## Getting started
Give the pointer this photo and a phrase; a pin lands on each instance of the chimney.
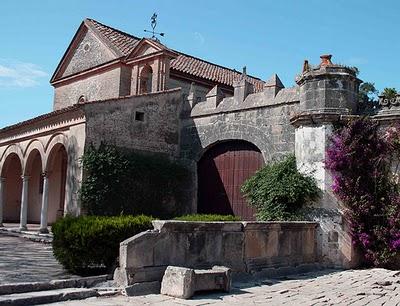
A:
(306, 66)
(326, 60)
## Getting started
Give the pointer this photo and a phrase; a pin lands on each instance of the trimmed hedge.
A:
(209, 218)
(89, 245)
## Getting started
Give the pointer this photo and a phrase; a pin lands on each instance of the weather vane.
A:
(153, 26)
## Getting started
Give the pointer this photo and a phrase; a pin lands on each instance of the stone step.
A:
(30, 235)
(48, 296)
(78, 282)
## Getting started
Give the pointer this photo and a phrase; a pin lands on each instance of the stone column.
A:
(24, 203)
(45, 204)
(2, 185)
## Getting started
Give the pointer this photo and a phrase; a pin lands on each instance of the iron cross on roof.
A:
(153, 26)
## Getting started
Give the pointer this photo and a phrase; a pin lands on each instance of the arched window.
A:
(82, 99)
(146, 77)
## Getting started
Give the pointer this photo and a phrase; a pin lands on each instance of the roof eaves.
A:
(40, 118)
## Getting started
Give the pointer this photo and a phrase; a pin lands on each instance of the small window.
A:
(139, 116)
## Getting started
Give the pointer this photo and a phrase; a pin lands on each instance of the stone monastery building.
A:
(138, 94)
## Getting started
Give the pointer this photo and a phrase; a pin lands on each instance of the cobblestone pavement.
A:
(22, 260)
(329, 287)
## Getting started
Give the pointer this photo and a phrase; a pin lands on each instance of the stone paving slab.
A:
(327, 287)
(22, 260)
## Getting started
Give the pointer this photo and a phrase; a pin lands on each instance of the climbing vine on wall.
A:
(120, 182)
(363, 159)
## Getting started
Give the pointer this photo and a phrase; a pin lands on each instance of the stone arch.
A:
(34, 169)
(11, 173)
(12, 149)
(34, 145)
(56, 171)
(230, 132)
(56, 139)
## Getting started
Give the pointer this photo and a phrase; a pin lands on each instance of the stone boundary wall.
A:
(145, 123)
(247, 247)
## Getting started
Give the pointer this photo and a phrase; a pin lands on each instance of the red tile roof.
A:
(185, 63)
(41, 118)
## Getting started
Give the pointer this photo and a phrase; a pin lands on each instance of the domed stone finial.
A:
(326, 60)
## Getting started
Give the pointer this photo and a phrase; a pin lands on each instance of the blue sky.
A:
(266, 36)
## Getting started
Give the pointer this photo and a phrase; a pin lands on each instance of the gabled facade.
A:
(104, 63)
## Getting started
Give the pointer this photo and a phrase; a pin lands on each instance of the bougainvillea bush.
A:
(364, 159)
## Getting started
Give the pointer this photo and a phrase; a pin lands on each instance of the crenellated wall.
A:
(261, 118)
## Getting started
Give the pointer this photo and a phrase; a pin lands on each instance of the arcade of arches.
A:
(32, 189)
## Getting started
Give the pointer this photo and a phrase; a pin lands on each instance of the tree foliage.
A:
(120, 182)
(389, 93)
(367, 91)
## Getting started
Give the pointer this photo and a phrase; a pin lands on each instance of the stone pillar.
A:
(24, 202)
(242, 88)
(2, 188)
(45, 204)
(328, 95)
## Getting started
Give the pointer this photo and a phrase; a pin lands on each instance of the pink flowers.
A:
(361, 158)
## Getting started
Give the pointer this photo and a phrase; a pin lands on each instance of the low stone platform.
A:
(244, 247)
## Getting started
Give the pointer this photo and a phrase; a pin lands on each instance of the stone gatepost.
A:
(328, 95)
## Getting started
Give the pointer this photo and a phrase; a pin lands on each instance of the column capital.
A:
(46, 174)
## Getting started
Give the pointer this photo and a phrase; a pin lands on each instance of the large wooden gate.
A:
(221, 172)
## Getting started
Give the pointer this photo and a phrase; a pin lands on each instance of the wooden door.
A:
(221, 172)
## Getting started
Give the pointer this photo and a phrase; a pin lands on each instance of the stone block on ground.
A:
(178, 282)
(184, 282)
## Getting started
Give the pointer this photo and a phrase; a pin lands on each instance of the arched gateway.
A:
(222, 170)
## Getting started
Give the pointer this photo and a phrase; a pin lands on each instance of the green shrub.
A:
(90, 244)
(278, 191)
(119, 182)
(205, 217)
